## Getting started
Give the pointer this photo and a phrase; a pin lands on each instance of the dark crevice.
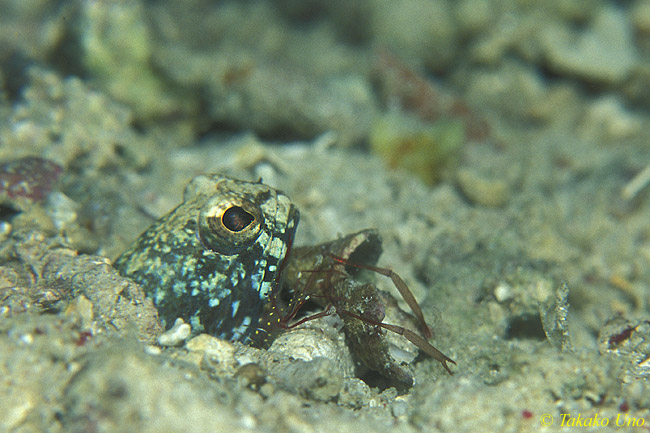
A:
(525, 326)
(7, 212)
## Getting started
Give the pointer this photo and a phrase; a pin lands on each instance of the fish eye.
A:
(236, 219)
(228, 225)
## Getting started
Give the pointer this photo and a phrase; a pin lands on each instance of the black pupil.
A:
(236, 219)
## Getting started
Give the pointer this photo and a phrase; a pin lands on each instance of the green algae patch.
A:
(424, 149)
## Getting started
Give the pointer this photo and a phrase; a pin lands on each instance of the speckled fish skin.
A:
(194, 267)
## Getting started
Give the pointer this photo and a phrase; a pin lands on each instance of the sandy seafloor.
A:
(132, 99)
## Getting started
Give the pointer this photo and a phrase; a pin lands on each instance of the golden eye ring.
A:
(229, 225)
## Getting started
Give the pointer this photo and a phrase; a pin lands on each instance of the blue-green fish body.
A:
(216, 259)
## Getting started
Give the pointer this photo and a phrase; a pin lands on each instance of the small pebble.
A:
(62, 209)
(176, 335)
(355, 393)
(252, 375)
(152, 350)
(484, 192)
(5, 230)
(503, 293)
(82, 309)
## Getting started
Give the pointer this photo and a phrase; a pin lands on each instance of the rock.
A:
(217, 357)
(319, 379)
(482, 191)
(608, 119)
(503, 293)
(604, 52)
(308, 344)
(29, 179)
(176, 335)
